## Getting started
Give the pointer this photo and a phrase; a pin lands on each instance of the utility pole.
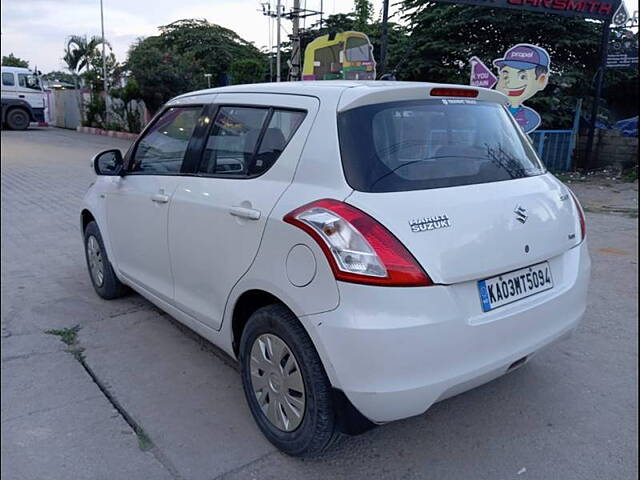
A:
(385, 36)
(278, 16)
(604, 44)
(104, 66)
(295, 14)
(294, 72)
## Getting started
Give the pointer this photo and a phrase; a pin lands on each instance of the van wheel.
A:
(103, 278)
(17, 119)
(285, 384)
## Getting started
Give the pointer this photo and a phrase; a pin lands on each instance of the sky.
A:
(36, 30)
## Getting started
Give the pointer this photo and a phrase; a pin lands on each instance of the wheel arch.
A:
(10, 105)
(348, 419)
(246, 304)
(85, 218)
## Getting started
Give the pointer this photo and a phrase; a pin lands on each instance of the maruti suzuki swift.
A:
(363, 249)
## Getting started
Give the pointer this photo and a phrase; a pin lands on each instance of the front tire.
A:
(285, 384)
(103, 278)
(17, 119)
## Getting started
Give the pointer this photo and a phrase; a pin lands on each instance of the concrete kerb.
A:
(108, 133)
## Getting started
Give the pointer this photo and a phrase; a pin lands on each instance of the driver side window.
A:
(162, 149)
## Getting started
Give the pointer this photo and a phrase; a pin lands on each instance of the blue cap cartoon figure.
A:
(522, 73)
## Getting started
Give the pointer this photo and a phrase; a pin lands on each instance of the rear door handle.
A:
(159, 198)
(20, 96)
(243, 212)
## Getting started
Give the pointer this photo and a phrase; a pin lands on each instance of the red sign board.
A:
(600, 9)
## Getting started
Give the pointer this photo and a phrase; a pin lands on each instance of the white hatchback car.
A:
(364, 249)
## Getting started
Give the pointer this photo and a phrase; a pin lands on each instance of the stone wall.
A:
(610, 148)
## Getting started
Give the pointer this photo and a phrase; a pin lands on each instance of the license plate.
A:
(513, 286)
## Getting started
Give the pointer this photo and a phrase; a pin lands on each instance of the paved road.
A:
(572, 413)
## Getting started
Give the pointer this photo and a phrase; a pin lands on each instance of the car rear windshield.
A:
(417, 145)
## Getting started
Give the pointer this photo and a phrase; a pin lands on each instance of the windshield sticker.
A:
(460, 101)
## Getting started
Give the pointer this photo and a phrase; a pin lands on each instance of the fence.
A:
(64, 108)
(555, 148)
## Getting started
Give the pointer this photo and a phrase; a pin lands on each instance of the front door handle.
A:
(159, 198)
(243, 212)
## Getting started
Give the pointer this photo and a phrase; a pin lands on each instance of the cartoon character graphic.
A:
(522, 73)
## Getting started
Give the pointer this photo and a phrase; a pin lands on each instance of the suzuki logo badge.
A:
(521, 214)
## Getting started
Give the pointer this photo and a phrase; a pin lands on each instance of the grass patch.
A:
(144, 442)
(630, 175)
(68, 335)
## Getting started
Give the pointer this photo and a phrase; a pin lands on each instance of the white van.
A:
(23, 100)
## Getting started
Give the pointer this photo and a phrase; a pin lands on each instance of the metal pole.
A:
(104, 66)
(278, 41)
(385, 36)
(295, 42)
(604, 43)
(270, 46)
(321, 12)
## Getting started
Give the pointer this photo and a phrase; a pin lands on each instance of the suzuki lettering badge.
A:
(429, 223)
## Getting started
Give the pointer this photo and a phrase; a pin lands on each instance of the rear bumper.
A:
(396, 351)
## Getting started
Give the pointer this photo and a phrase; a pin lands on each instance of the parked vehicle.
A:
(364, 249)
(23, 100)
(339, 56)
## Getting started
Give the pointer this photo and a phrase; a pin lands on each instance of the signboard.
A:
(623, 52)
(621, 17)
(522, 72)
(578, 8)
(481, 76)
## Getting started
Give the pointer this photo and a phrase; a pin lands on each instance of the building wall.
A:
(610, 149)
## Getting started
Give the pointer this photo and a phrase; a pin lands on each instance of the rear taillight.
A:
(358, 248)
(583, 225)
(453, 92)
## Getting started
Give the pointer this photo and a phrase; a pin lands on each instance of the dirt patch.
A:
(606, 191)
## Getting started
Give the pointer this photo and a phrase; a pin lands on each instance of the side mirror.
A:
(109, 162)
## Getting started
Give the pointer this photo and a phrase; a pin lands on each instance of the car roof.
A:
(360, 92)
(16, 69)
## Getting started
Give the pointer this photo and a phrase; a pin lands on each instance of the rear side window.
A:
(7, 79)
(418, 145)
(247, 141)
(161, 150)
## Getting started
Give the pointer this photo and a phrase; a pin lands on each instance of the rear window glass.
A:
(426, 144)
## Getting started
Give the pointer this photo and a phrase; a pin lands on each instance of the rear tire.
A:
(18, 119)
(314, 432)
(103, 278)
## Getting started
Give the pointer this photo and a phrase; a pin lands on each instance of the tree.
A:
(175, 61)
(59, 76)
(247, 70)
(80, 53)
(12, 61)
(362, 14)
(444, 37)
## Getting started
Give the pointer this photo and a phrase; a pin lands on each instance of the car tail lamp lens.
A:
(583, 224)
(454, 92)
(358, 248)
